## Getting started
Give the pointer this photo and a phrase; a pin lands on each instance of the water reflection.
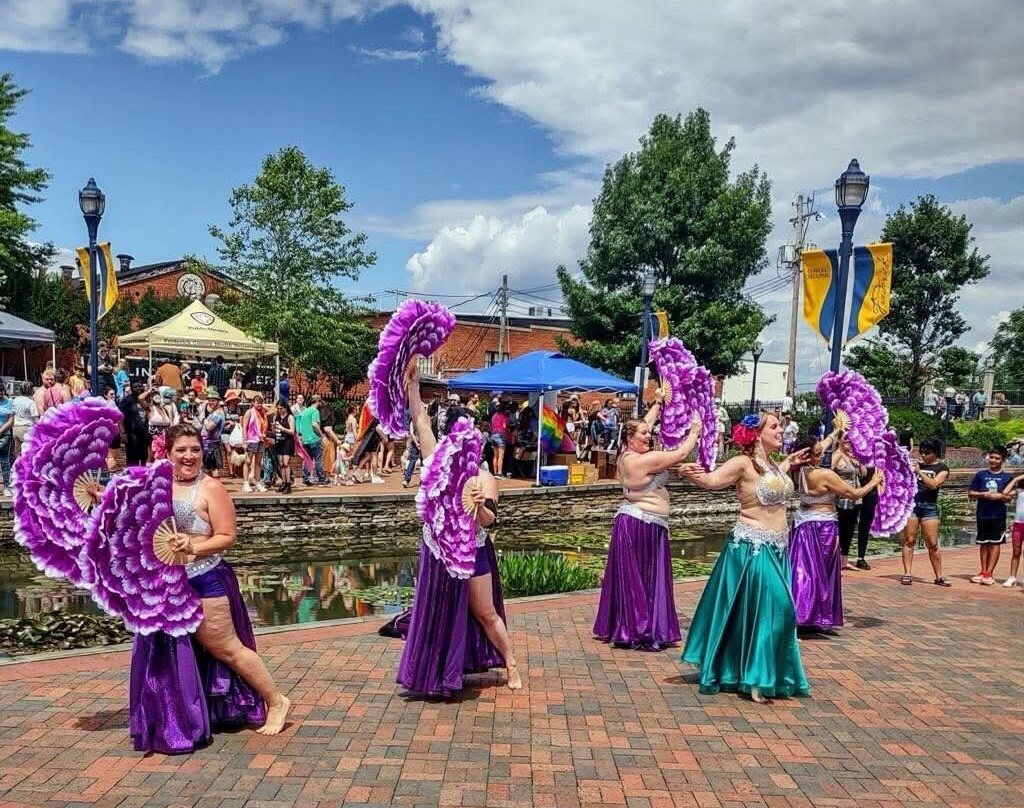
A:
(307, 590)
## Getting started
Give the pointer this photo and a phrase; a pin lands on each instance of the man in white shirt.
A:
(787, 404)
(721, 425)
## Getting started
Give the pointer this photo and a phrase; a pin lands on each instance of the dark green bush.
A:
(925, 426)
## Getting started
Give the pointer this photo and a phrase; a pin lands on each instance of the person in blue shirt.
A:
(284, 389)
(122, 381)
(987, 490)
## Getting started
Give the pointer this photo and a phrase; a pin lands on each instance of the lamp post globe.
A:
(93, 202)
(650, 284)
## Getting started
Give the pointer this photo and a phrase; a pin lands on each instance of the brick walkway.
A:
(919, 701)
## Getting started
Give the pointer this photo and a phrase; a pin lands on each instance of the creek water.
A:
(328, 584)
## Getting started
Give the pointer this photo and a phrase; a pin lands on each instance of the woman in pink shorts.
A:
(1018, 530)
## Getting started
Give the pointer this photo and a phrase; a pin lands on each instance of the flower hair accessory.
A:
(745, 432)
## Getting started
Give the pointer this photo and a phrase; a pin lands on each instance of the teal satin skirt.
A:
(743, 633)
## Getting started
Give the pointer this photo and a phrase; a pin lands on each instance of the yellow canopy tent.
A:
(198, 331)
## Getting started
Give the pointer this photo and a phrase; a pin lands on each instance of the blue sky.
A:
(471, 134)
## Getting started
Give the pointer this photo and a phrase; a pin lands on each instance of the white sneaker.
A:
(261, 487)
(1010, 582)
(8, 492)
(977, 579)
(246, 488)
(377, 480)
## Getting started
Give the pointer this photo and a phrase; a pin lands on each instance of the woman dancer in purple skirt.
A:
(637, 608)
(456, 625)
(814, 553)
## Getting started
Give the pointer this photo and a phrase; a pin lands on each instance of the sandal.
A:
(906, 580)
(941, 582)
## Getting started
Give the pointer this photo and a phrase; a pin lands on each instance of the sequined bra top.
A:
(773, 488)
(188, 520)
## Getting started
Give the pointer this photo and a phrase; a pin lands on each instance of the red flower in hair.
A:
(743, 435)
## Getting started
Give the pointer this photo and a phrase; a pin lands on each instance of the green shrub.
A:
(524, 574)
(925, 426)
(981, 435)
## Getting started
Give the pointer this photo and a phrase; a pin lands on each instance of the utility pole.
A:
(503, 328)
(789, 256)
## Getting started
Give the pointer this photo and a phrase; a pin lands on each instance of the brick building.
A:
(165, 278)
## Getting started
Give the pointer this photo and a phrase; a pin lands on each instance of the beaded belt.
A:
(193, 569)
(759, 536)
(629, 509)
(803, 516)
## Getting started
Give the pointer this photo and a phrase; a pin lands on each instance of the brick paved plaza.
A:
(920, 701)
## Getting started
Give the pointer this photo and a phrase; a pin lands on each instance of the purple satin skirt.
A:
(637, 607)
(178, 692)
(443, 640)
(817, 573)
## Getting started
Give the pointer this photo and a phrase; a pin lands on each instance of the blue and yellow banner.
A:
(819, 268)
(659, 325)
(107, 273)
(872, 288)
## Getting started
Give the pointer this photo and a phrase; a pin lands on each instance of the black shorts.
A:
(211, 458)
(373, 444)
(991, 531)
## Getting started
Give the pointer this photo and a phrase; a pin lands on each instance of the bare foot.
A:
(755, 695)
(515, 681)
(275, 717)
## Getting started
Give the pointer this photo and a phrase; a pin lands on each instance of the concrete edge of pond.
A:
(50, 656)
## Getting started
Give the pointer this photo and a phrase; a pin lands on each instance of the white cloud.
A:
(413, 35)
(38, 25)
(471, 256)
(391, 54)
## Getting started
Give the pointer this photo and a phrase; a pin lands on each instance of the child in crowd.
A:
(987, 488)
(342, 464)
(1017, 483)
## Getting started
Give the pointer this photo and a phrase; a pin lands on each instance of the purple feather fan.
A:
(56, 483)
(689, 390)
(857, 408)
(417, 328)
(129, 580)
(444, 500)
(899, 485)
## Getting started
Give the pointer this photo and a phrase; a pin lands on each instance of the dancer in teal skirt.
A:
(743, 633)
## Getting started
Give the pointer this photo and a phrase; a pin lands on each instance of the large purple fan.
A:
(56, 481)
(689, 390)
(417, 328)
(444, 501)
(129, 580)
(857, 410)
(898, 487)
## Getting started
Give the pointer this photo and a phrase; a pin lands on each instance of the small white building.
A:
(771, 383)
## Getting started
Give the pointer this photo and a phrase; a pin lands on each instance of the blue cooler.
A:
(554, 475)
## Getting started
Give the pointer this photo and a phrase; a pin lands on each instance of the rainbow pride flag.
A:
(552, 430)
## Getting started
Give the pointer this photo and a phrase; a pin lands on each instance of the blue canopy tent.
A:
(541, 372)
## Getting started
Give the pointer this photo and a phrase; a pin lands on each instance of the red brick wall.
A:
(164, 285)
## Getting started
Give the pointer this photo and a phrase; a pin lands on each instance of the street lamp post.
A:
(648, 289)
(756, 352)
(92, 202)
(851, 191)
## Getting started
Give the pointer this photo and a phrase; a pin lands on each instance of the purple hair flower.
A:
(56, 484)
(129, 580)
(689, 390)
(443, 501)
(417, 328)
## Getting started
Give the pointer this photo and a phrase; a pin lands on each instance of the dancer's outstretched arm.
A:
(418, 413)
(725, 476)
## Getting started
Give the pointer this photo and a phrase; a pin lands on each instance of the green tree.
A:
(958, 367)
(20, 185)
(933, 259)
(288, 245)
(672, 206)
(1008, 352)
(881, 366)
(130, 314)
